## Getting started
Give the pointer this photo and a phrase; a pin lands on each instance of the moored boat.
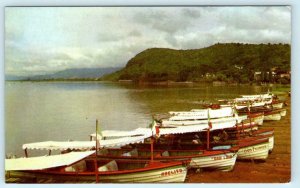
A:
(199, 114)
(274, 115)
(87, 169)
(282, 112)
(277, 105)
(254, 150)
(201, 159)
(257, 118)
(219, 122)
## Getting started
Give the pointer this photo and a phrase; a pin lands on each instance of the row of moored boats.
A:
(212, 138)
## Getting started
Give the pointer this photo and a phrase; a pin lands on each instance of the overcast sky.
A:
(42, 40)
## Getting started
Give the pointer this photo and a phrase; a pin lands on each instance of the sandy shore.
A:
(276, 169)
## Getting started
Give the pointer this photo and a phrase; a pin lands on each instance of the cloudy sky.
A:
(42, 40)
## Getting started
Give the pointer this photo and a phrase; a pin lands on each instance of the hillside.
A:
(232, 62)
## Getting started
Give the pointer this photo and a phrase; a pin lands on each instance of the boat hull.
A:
(277, 105)
(172, 174)
(223, 162)
(283, 112)
(254, 152)
(204, 159)
(272, 116)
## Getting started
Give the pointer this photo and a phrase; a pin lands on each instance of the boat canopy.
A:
(182, 129)
(262, 96)
(123, 141)
(53, 145)
(202, 114)
(135, 132)
(45, 162)
(84, 145)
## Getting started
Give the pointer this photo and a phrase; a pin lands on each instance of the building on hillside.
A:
(271, 76)
(264, 76)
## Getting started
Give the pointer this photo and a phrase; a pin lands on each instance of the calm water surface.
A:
(59, 111)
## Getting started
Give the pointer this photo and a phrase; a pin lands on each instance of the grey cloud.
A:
(193, 13)
(171, 40)
(122, 36)
(254, 19)
(109, 36)
(134, 33)
(166, 21)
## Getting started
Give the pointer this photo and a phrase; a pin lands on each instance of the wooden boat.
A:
(200, 159)
(254, 149)
(257, 118)
(198, 114)
(252, 110)
(245, 105)
(233, 137)
(243, 100)
(104, 171)
(258, 97)
(270, 100)
(257, 147)
(282, 112)
(268, 113)
(274, 115)
(221, 122)
(277, 104)
(258, 134)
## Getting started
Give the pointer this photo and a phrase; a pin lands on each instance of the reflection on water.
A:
(58, 111)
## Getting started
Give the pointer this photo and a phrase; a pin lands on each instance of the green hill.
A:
(231, 62)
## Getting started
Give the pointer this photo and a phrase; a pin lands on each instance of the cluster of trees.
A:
(230, 62)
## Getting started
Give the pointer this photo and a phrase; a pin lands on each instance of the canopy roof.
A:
(53, 145)
(45, 162)
(262, 96)
(84, 145)
(182, 129)
(135, 132)
(202, 113)
(123, 141)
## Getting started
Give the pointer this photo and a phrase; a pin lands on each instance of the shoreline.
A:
(162, 83)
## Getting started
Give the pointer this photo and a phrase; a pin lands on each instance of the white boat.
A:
(254, 104)
(257, 150)
(199, 114)
(220, 159)
(270, 135)
(256, 117)
(220, 122)
(282, 112)
(258, 97)
(75, 166)
(224, 162)
(274, 115)
(277, 105)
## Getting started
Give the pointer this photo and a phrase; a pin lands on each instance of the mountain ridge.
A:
(73, 73)
(230, 62)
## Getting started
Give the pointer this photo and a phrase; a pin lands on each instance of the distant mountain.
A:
(80, 73)
(229, 62)
(13, 77)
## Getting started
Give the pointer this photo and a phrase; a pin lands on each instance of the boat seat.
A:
(165, 154)
(103, 152)
(111, 166)
(77, 167)
(133, 153)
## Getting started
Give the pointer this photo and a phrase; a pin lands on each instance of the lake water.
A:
(59, 111)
